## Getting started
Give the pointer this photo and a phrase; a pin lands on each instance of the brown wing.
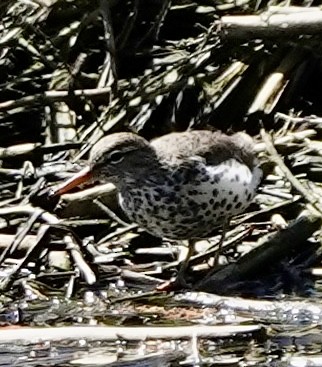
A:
(214, 147)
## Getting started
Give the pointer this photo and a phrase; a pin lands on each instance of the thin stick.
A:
(275, 157)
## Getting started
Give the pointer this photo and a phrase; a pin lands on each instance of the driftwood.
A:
(42, 239)
(273, 249)
(313, 200)
(288, 312)
(277, 21)
(25, 244)
(125, 333)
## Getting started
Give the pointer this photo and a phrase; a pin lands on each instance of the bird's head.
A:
(115, 158)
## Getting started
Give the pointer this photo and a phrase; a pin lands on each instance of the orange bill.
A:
(81, 177)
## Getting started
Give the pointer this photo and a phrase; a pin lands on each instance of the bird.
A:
(180, 186)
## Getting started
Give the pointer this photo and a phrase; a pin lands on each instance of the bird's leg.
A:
(180, 281)
(181, 276)
(222, 238)
(221, 241)
(191, 243)
(185, 262)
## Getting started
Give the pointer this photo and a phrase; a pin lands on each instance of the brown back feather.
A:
(214, 147)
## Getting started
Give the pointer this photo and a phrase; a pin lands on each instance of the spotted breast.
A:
(201, 179)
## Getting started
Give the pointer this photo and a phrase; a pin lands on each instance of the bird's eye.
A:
(116, 157)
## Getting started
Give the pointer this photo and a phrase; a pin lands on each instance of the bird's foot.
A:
(177, 283)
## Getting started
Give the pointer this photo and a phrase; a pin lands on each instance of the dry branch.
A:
(42, 241)
(38, 335)
(312, 199)
(272, 250)
(287, 22)
(286, 311)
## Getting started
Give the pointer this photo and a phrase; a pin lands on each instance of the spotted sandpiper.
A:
(179, 186)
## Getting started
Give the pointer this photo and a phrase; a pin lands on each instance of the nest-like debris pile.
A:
(74, 71)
